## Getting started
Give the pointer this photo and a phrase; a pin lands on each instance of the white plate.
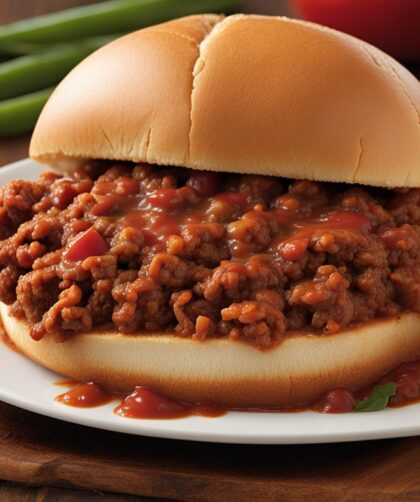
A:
(29, 386)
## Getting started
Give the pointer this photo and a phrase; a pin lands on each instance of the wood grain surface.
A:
(45, 460)
(44, 451)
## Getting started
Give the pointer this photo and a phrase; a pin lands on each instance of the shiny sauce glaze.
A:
(145, 403)
(201, 254)
(164, 212)
(85, 395)
(141, 403)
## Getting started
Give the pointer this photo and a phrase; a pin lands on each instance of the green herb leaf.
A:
(378, 399)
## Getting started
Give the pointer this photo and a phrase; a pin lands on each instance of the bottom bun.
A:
(230, 373)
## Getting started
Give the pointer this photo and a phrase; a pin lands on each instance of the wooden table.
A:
(69, 462)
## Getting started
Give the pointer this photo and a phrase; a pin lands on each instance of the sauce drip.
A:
(85, 395)
(141, 403)
(145, 403)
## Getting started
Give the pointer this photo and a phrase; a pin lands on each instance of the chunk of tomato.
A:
(89, 243)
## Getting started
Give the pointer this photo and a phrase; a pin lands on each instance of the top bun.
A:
(248, 94)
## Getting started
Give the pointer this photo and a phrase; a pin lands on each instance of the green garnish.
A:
(378, 398)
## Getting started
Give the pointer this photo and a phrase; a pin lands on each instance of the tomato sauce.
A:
(145, 403)
(141, 403)
(323, 254)
(294, 247)
(397, 238)
(166, 211)
(335, 401)
(85, 395)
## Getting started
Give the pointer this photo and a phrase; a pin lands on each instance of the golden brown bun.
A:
(249, 94)
(226, 372)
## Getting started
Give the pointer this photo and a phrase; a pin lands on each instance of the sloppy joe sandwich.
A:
(234, 215)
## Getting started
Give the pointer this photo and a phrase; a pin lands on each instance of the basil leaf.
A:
(378, 399)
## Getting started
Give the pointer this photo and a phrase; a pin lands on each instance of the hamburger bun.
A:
(248, 94)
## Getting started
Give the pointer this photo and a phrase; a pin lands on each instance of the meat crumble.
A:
(143, 248)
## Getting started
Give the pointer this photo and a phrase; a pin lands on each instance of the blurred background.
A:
(41, 40)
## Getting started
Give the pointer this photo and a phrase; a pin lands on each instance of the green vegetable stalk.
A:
(14, 49)
(38, 71)
(104, 18)
(19, 115)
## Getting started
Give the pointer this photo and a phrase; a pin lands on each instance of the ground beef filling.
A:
(144, 248)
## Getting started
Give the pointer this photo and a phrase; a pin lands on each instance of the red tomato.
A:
(391, 25)
(90, 243)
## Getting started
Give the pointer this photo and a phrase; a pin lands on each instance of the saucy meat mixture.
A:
(149, 248)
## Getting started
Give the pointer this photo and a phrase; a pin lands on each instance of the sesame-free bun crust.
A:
(248, 94)
(227, 372)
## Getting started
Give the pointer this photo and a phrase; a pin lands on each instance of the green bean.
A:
(15, 49)
(19, 115)
(38, 71)
(104, 18)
